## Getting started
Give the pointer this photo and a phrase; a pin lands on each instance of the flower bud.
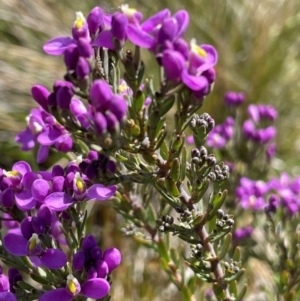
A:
(100, 94)
(40, 94)
(37, 225)
(100, 123)
(7, 198)
(78, 261)
(118, 26)
(95, 20)
(84, 48)
(82, 68)
(112, 257)
(88, 242)
(45, 215)
(64, 96)
(71, 57)
(102, 268)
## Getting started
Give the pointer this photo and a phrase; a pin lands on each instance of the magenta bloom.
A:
(95, 288)
(232, 98)
(251, 194)
(221, 134)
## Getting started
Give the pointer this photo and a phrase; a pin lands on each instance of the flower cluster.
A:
(161, 33)
(234, 99)
(258, 195)
(92, 265)
(221, 134)
(36, 205)
(259, 114)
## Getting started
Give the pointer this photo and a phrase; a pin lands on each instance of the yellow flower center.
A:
(33, 242)
(197, 49)
(79, 182)
(72, 283)
(129, 12)
(80, 20)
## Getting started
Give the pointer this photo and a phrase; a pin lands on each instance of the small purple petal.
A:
(182, 18)
(45, 214)
(173, 63)
(24, 200)
(139, 37)
(104, 39)
(26, 227)
(22, 167)
(40, 94)
(58, 45)
(88, 242)
(26, 138)
(58, 184)
(15, 244)
(155, 20)
(40, 189)
(95, 288)
(194, 82)
(102, 268)
(78, 261)
(43, 154)
(113, 258)
(58, 201)
(53, 259)
(100, 192)
(7, 198)
(28, 179)
(7, 296)
(60, 294)
(49, 136)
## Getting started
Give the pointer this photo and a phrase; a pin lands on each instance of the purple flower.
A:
(201, 58)
(125, 26)
(95, 20)
(242, 233)
(232, 98)
(95, 288)
(22, 244)
(250, 194)
(221, 134)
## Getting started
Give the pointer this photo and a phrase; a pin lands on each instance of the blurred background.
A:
(258, 43)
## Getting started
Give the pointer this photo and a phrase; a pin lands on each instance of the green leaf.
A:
(171, 187)
(151, 214)
(164, 151)
(242, 293)
(183, 163)
(233, 288)
(219, 292)
(235, 276)
(175, 170)
(216, 203)
(163, 251)
(26, 286)
(138, 101)
(237, 254)
(39, 279)
(225, 246)
(166, 105)
(174, 256)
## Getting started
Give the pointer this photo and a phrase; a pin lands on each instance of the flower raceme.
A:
(161, 33)
(93, 266)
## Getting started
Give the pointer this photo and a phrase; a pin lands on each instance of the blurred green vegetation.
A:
(258, 43)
